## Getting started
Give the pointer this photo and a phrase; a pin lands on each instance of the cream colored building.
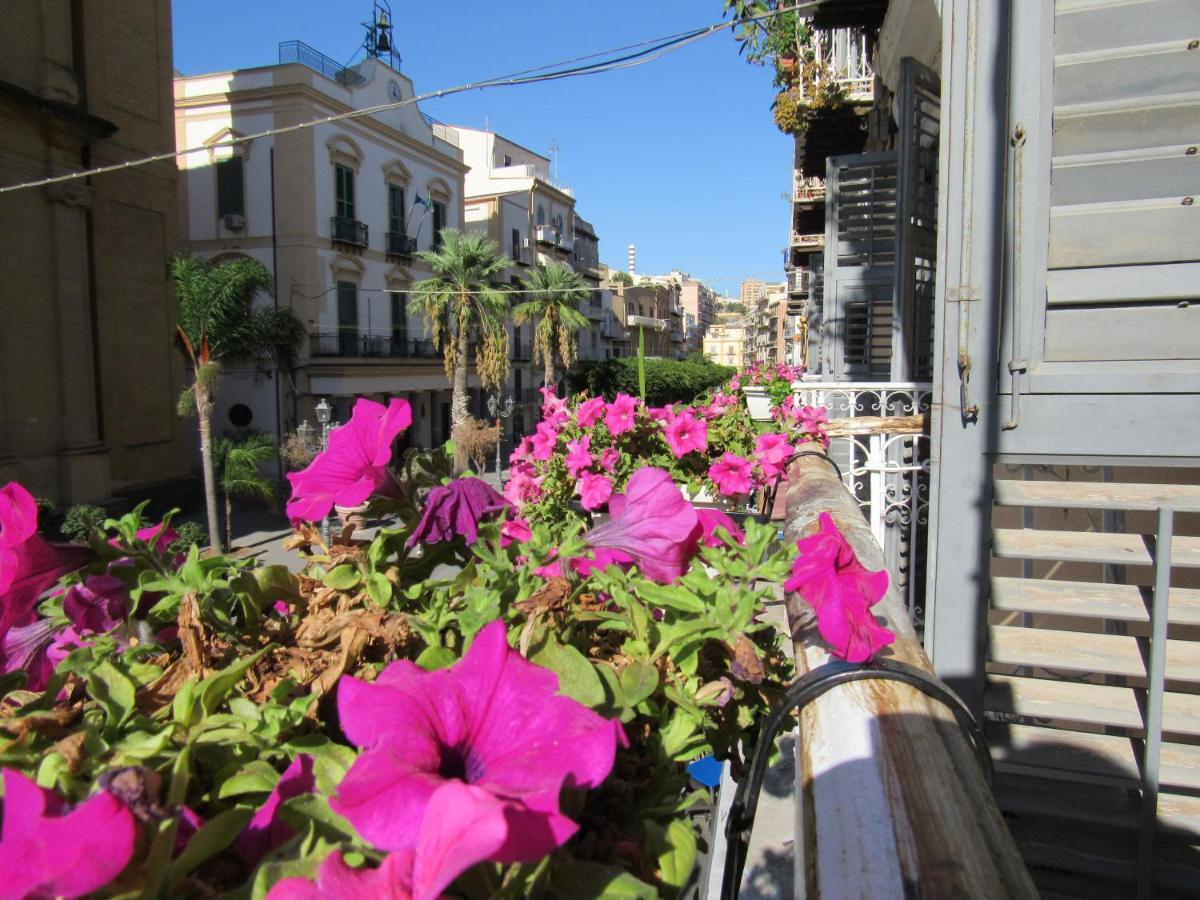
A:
(89, 375)
(337, 213)
(724, 344)
(510, 197)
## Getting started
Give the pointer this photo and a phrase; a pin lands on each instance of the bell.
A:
(383, 44)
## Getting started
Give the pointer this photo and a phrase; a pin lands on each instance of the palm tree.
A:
(237, 465)
(553, 305)
(464, 309)
(217, 323)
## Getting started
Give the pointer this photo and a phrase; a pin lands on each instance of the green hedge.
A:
(667, 380)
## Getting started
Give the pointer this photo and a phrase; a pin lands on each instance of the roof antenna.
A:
(379, 42)
(553, 160)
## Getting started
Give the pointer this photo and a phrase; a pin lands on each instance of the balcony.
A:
(546, 234)
(812, 241)
(351, 232)
(352, 344)
(400, 245)
(564, 243)
(522, 255)
(807, 190)
(300, 52)
(799, 280)
(844, 56)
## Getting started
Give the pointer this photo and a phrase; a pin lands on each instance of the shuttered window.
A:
(231, 199)
(439, 222)
(396, 209)
(399, 318)
(344, 187)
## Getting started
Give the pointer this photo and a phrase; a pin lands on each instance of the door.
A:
(347, 300)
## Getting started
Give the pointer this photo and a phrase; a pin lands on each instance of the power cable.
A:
(657, 49)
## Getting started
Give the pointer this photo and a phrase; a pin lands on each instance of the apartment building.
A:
(337, 212)
(649, 309)
(752, 290)
(724, 343)
(697, 301)
(88, 374)
(511, 197)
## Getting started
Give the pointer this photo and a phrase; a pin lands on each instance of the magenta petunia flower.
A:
(522, 453)
(543, 442)
(685, 433)
(732, 475)
(608, 459)
(515, 530)
(267, 830)
(660, 413)
(652, 523)
(601, 558)
(554, 409)
(621, 414)
(590, 412)
(98, 605)
(593, 490)
(355, 464)
(841, 591)
(522, 488)
(772, 452)
(459, 829)
(578, 457)
(457, 508)
(46, 851)
(29, 564)
(493, 724)
(709, 521)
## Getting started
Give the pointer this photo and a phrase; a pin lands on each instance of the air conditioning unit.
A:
(234, 221)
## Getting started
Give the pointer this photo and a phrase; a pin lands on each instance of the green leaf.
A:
(273, 870)
(343, 578)
(215, 688)
(577, 677)
(679, 735)
(639, 680)
(434, 657)
(672, 597)
(572, 878)
(314, 808)
(256, 777)
(210, 839)
(675, 847)
(330, 761)
(113, 691)
(379, 589)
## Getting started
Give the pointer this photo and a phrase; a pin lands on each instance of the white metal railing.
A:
(798, 279)
(807, 188)
(888, 474)
(808, 240)
(546, 234)
(844, 55)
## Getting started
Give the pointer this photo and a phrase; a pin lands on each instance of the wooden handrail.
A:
(892, 802)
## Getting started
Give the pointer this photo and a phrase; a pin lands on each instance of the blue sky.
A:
(679, 156)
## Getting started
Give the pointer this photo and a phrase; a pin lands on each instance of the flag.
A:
(424, 201)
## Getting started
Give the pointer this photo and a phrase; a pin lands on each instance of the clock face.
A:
(394, 90)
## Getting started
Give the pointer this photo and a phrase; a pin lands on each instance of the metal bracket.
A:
(965, 293)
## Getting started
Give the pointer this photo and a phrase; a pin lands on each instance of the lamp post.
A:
(325, 418)
(499, 410)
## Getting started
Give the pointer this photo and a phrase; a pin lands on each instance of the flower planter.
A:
(353, 515)
(757, 402)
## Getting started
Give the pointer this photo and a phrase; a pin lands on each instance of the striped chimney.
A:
(632, 258)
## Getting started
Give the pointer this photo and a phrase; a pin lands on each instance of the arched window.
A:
(558, 222)
(541, 214)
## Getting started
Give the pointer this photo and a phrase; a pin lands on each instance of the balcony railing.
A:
(807, 189)
(798, 280)
(300, 52)
(356, 345)
(565, 243)
(844, 54)
(348, 231)
(522, 256)
(400, 244)
(808, 240)
(546, 234)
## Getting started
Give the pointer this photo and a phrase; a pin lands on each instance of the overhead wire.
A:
(653, 49)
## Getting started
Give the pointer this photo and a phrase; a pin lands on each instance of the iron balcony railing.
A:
(807, 189)
(546, 234)
(356, 345)
(521, 255)
(808, 240)
(399, 244)
(348, 231)
(300, 52)
(798, 280)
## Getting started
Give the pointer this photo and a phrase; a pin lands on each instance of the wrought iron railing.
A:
(356, 345)
(399, 244)
(546, 234)
(348, 231)
(808, 240)
(300, 52)
(798, 280)
(807, 188)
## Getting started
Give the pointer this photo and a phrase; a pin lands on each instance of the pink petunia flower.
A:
(660, 413)
(601, 558)
(522, 453)
(608, 459)
(772, 452)
(686, 433)
(590, 412)
(621, 415)
(515, 530)
(652, 523)
(46, 851)
(455, 509)
(593, 490)
(709, 521)
(578, 457)
(267, 830)
(522, 488)
(459, 829)
(355, 464)
(543, 442)
(29, 564)
(98, 605)
(493, 726)
(841, 591)
(732, 475)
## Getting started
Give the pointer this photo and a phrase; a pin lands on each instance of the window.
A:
(516, 243)
(399, 322)
(347, 300)
(396, 209)
(231, 200)
(439, 222)
(507, 160)
(344, 205)
(541, 214)
(517, 383)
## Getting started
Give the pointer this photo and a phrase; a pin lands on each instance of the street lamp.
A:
(498, 411)
(324, 416)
